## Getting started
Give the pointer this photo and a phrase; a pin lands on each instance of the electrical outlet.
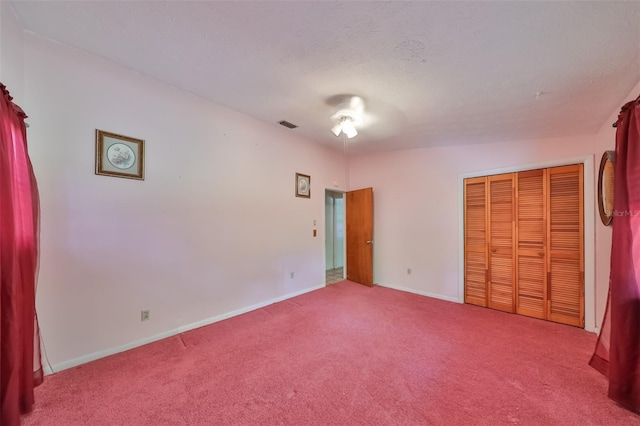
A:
(291, 275)
(144, 315)
(408, 271)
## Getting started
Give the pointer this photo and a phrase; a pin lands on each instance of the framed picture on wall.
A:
(119, 156)
(605, 186)
(303, 185)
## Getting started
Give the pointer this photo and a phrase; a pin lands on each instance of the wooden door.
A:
(360, 236)
(531, 265)
(475, 241)
(565, 236)
(501, 242)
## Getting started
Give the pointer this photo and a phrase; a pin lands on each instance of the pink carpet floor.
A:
(344, 355)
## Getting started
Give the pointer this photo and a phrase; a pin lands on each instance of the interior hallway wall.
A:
(335, 229)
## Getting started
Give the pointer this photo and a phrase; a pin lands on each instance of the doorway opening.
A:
(334, 236)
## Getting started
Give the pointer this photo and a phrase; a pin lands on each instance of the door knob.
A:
(369, 241)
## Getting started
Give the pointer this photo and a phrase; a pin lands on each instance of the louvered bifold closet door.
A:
(531, 234)
(501, 242)
(475, 241)
(565, 267)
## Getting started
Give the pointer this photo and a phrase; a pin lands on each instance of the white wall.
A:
(11, 62)
(214, 228)
(417, 207)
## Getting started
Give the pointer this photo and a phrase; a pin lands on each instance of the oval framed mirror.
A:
(605, 186)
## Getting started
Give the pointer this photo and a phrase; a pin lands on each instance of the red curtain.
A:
(617, 353)
(20, 366)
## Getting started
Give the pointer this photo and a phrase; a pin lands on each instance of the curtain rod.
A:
(616, 122)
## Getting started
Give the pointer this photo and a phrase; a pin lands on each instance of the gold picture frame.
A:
(303, 185)
(606, 177)
(119, 156)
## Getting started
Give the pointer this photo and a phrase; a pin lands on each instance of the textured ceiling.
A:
(430, 73)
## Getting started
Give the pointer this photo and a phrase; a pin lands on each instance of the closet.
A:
(524, 245)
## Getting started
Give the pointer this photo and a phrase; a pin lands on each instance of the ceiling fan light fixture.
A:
(348, 128)
(352, 134)
(337, 129)
(343, 114)
(347, 117)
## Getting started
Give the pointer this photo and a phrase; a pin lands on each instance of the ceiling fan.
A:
(348, 115)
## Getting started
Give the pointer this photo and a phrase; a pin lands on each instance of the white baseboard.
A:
(101, 354)
(422, 293)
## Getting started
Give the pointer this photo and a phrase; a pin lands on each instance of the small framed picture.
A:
(303, 185)
(119, 156)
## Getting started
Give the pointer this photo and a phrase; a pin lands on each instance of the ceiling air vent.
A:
(287, 124)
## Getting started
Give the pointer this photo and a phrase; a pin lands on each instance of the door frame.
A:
(344, 242)
(590, 321)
